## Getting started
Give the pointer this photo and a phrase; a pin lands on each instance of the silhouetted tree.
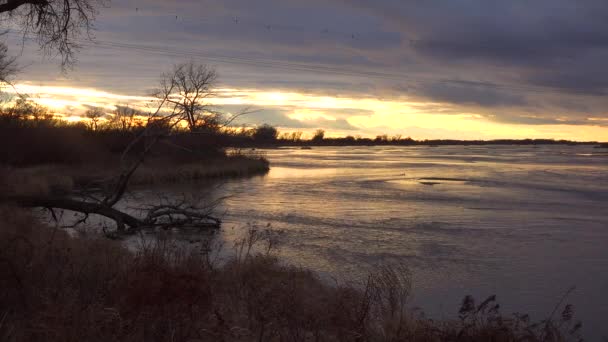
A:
(8, 66)
(94, 115)
(186, 90)
(57, 24)
(318, 136)
(30, 111)
(101, 196)
(296, 136)
(265, 133)
(381, 138)
(124, 117)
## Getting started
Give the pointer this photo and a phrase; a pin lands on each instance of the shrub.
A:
(265, 134)
(57, 288)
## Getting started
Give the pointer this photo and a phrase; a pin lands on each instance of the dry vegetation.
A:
(45, 148)
(57, 288)
(56, 177)
(54, 287)
(51, 164)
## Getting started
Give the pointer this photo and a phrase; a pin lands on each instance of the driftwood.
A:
(102, 197)
(51, 202)
(160, 216)
(166, 214)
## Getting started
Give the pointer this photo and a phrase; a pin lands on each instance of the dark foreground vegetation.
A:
(273, 138)
(88, 169)
(54, 287)
(38, 138)
(30, 135)
(57, 288)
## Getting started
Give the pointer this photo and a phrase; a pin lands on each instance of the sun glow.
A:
(366, 116)
(310, 115)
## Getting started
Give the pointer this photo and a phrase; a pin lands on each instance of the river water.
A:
(523, 222)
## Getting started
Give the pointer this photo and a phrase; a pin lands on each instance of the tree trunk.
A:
(119, 217)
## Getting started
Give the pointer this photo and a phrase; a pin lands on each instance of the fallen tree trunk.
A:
(102, 201)
(84, 207)
(161, 216)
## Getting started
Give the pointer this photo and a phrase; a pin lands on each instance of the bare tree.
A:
(56, 24)
(295, 136)
(181, 98)
(94, 115)
(8, 66)
(124, 117)
(318, 135)
(101, 197)
(28, 110)
(186, 90)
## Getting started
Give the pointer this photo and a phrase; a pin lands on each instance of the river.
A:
(523, 222)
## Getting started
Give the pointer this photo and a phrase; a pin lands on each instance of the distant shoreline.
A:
(429, 143)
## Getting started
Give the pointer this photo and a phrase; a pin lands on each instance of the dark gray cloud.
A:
(553, 43)
(586, 78)
(533, 120)
(279, 116)
(459, 93)
(542, 59)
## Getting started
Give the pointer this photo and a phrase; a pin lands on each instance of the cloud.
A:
(525, 63)
(283, 117)
(483, 96)
(533, 120)
(558, 46)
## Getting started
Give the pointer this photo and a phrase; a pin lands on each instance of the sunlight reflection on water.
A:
(522, 222)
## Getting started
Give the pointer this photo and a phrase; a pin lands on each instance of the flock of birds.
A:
(236, 21)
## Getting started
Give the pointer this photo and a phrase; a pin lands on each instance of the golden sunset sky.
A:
(350, 67)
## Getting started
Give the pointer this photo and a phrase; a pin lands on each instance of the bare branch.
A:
(55, 23)
(186, 89)
(8, 65)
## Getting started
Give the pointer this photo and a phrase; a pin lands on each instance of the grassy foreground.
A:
(151, 172)
(57, 288)
(46, 149)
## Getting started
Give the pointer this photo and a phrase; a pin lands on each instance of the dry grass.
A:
(25, 143)
(56, 178)
(57, 288)
(227, 167)
(35, 181)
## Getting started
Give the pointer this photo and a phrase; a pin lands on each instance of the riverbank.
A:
(46, 179)
(58, 288)
(226, 167)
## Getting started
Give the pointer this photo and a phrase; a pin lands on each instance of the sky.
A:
(454, 69)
